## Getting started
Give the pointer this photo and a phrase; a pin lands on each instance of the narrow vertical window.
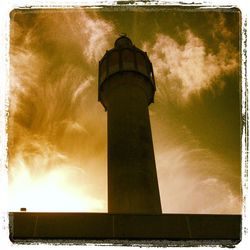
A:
(103, 69)
(114, 62)
(128, 59)
(141, 65)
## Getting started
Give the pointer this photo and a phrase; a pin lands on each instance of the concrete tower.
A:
(126, 88)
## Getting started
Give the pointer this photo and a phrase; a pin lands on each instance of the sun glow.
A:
(51, 191)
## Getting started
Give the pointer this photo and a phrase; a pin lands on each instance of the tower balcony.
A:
(125, 57)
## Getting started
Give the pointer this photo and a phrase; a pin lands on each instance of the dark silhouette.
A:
(126, 88)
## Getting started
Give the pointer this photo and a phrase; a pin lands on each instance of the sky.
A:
(57, 129)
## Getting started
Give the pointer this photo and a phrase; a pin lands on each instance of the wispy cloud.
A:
(184, 69)
(51, 124)
(193, 180)
(98, 33)
(46, 92)
(190, 174)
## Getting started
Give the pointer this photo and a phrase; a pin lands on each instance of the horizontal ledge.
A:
(26, 225)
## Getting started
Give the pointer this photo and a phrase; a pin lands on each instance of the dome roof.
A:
(123, 42)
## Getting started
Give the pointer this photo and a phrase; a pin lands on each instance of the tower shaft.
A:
(132, 179)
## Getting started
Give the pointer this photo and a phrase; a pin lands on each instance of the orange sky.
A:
(57, 129)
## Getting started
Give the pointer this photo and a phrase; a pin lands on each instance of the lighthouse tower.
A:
(126, 89)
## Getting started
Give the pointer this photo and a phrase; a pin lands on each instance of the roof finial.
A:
(123, 34)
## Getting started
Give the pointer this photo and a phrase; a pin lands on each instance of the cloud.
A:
(97, 32)
(220, 28)
(190, 183)
(42, 179)
(78, 93)
(192, 178)
(21, 76)
(185, 69)
(52, 128)
(84, 32)
(45, 95)
(50, 76)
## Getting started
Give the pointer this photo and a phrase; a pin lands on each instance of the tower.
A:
(126, 88)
